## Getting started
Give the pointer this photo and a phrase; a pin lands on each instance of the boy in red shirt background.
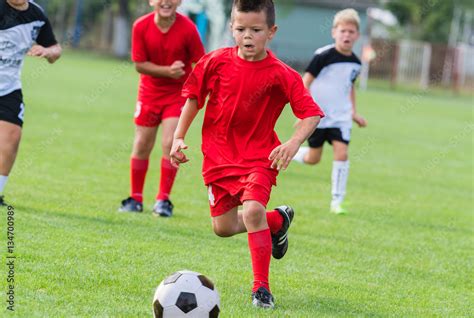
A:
(248, 87)
(164, 46)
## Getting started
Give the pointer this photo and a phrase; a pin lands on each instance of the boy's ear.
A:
(273, 31)
(358, 35)
(333, 33)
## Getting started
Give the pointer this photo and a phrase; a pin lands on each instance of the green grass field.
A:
(405, 250)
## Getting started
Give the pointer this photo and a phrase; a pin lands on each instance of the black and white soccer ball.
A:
(186, 294)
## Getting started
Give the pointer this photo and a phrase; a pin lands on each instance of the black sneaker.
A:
(263, 298)
(2, 201)
(131, 205)
(163, 208)
(280, 239)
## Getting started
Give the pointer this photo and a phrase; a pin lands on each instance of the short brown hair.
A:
(257, 6)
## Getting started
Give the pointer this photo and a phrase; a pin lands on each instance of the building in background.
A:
(305, 25)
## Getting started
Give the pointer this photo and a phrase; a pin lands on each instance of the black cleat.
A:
(131, 205)
(2, 201)
(280, 239)
(163, 208)
(263, 298)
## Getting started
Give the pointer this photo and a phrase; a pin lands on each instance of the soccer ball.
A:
(186, 294)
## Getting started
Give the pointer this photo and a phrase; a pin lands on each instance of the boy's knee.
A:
(342, 156)
(142, 148)
(221, 231)
(312, 161)
(253, 215)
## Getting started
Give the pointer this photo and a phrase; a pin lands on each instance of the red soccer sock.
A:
(274, 220)
(138, 169)
(260, 245)
(168, 174)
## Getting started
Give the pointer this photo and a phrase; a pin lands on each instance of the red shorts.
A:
(227, 193)
(151, 115)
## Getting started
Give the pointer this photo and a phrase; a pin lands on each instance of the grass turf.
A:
(404, 250)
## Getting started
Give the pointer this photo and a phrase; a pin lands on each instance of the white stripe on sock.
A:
(340, 173)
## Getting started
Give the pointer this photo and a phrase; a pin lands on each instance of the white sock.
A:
(340, 172)
(3, 182)
(299, 157)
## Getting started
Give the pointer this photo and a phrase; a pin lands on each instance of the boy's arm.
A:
(283, 154)
(190, 111)
(174, 71)
(308, 79)
(355, 116)
(52, 53)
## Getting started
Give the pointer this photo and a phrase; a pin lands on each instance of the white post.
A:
(461, 63)
(404, 47)
(425, 66)
(453, 36)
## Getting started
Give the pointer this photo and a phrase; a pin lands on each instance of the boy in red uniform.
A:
(164, 46)
(248, 87)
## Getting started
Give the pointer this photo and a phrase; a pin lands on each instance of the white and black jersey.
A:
(334, 75)
(19, 30)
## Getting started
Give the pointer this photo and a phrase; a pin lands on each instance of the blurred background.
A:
(420, 43)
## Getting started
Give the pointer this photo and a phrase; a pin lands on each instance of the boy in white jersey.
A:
(330, 78)
(24, 29)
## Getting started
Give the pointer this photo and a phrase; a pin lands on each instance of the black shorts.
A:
(321, 135)
(12, 108)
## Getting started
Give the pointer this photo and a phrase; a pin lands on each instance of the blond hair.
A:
(346, 16)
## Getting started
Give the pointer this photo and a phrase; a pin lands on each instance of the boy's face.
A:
(251, 33)
(17, 3)
(345, 35)
(165, 8)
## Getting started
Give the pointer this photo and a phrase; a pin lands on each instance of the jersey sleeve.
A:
(198, 83)
(46, 36)
(138, 44)
(301, 101)
(316, 65)
(195, 46)
(354, 76)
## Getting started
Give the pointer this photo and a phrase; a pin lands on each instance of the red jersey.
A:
(245, 101)
(149, 44)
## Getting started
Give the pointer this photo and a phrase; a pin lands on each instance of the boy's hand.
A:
(177, 157)
(52, 53)
(39, 51)
(176, 70)
(359, 120)
(283, 154)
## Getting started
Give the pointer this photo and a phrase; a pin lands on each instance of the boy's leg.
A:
(260, 246)
(10, 136)
(142, 146)
(229, 223)
(226, 219)
(163, 206)
(312, 155)
(340, 173)
(260, 242)
(279, 221)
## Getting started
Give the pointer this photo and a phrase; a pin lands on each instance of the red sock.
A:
(168, 174)
(260, 245)
(138, 169)
(274, 220)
